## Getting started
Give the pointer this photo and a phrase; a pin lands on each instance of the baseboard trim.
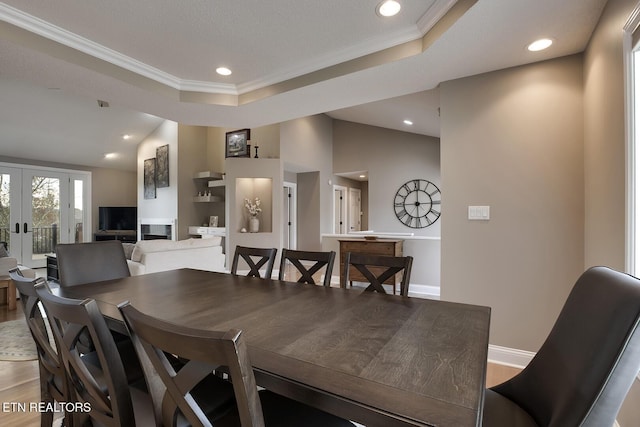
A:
(509, 356)
(424, 291)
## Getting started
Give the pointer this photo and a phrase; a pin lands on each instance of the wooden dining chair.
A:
(54, 386)
(255, 258)
(586, 366)
(100, 388)
(173, 393)
(297, 258)
(377, 269)
(80, 263)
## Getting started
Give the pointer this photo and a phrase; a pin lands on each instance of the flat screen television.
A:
(117, 218)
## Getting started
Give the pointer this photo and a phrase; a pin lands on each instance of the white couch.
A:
(150, 256)
(8, 263)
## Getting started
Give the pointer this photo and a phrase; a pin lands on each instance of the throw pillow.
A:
(128, 249)
(3, 251)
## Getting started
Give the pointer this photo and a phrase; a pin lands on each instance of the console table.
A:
(52, 267)
(385, 247)
(123, 236)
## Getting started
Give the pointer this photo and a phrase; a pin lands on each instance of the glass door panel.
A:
(40, 208)
(10, 184)
(44, 224)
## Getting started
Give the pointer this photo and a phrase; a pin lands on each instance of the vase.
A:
(254, 224)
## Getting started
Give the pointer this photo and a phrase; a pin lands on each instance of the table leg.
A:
(11, 295)
(11, 292)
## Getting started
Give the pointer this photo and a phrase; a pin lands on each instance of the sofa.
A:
(151, 256)
(9, 263)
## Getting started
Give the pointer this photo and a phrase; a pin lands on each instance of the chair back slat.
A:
(378, 269)
(104, 388)
(255, 258)
(320, 259)
(54, 384)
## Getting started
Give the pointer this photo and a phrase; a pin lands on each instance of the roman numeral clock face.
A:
(417, 203)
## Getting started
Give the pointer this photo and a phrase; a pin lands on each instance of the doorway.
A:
(41, 207)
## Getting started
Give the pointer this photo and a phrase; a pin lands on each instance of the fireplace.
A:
(157, 228)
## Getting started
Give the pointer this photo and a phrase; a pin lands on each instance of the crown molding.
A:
(434, 14)
(334, 58)
(64, 37)
(208, 87)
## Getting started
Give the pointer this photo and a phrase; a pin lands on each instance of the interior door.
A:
(355, 209)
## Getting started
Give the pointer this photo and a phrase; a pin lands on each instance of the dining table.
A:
(376, 359)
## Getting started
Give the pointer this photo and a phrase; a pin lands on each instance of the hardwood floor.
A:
(19, 382)
(497, 374)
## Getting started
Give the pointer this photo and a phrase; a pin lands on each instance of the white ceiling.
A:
(297, 58)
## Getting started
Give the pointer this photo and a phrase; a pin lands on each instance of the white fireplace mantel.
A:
(157, 221)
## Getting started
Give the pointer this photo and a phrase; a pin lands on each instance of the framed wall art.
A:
(162, 166)
(150, 178)
(237, 143)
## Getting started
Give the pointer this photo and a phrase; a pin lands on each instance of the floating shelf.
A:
(208, 175)
(208, 199)
(217, 183)
(207, 231)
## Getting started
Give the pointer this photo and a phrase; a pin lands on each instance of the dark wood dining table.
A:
(379, 360)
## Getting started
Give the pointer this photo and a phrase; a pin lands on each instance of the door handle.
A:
(25, 229)
(17, 228)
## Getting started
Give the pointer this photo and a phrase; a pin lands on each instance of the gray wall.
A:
(513, 140)
(192, 147)
(111, 187)
(306, 147)
(391, 158)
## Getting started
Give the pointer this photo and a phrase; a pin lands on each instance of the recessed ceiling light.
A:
(223, 71)
(541, 44)
(110, 155)
(126, 136)
(388, 8)
(407, 122)
(363, 176)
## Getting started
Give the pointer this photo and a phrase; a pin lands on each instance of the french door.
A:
(40, 208)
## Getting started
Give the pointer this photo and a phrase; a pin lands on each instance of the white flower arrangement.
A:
(253, 207)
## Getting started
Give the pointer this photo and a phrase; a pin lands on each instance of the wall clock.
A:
(417, 203)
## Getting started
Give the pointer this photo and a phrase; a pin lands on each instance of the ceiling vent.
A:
(103, 104)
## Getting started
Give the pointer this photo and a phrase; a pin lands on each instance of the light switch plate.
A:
(479, 213)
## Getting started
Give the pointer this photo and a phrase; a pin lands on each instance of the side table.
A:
(7, 283)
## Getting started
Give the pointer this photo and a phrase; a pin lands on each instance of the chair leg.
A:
(46, 417)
